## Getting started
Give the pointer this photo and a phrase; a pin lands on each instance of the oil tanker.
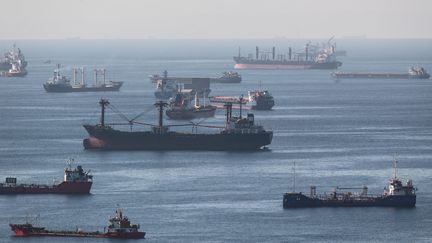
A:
(119, 228)
(239, 133)
(76, 181)
(396, 194)
(413, 73)
(324, 59)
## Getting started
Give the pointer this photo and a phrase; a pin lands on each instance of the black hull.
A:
(298, 200)
(191, 113)
(105, 138)
(67, 88)
(226, 80)
(262, 104)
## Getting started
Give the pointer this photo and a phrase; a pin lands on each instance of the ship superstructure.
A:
(75, 181)
(396, 194)
(13, 56)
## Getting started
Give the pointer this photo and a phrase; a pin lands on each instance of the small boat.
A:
(119, 228)
(76, 181)
(397, 194)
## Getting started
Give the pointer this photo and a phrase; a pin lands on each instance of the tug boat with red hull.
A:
(396, 194)
(119, 228)
(76, 181)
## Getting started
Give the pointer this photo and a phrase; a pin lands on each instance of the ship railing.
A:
(352, 197)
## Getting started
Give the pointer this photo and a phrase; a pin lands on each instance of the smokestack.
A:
(273, 52)
(289, 53)
(256, 52)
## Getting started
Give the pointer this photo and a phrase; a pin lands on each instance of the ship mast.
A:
(241, 104)
(103, 103)
(228, 106)
(294, 177)
(160, 106)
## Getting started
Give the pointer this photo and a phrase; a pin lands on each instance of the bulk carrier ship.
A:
(119, 228)
(239, 133)
(396, 194)
(76, 181)
(323, 59)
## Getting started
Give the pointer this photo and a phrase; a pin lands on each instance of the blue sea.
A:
(338, 133)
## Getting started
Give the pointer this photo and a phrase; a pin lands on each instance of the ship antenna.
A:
(103, 103)
(395, 167)
(294, 177)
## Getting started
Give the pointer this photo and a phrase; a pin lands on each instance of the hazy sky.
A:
(132, 19)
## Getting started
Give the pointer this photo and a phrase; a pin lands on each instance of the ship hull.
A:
(188, 114)
(62, 188)
(109, 139)
(242, 63)
(68, 88)
(298, 200)
(226, 80)
(26, 231)
(379, 76)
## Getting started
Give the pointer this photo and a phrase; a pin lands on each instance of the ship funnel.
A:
(312, 191)
(256, 52)
(273, 52)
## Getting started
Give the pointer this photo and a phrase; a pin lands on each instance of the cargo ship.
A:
(119, 228)
(76, 181)
(413, 73)
(239, 133)
(13, 56)
(396, 194)
(181, 108)
(62, 84)
(324, 59)
(257, 100)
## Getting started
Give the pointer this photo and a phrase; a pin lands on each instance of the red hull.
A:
(45, 233)
(62, 188)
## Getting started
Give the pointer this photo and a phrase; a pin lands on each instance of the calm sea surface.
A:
(339, 133)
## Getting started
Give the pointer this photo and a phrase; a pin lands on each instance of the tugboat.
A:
(396, 194)
(61, 84)
(180, 108)
(413, 73)
(239, 133)
(76, 181)
(119, 228)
